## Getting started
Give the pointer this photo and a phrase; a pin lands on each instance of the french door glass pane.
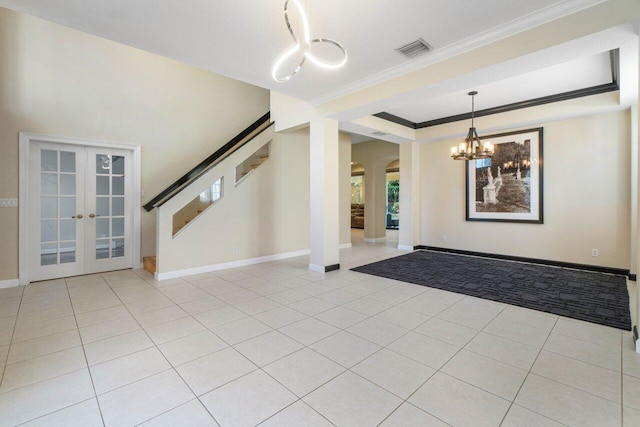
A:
(118, 186)
(67, 252)
(102, 227)
(67, 207)
(67, 185)
(49, 161)
(67, 229)
(102, 206)
(102, 185)
(117, 248)
(49, 184)
(117, 227)
(49, 254)
(117, 206)
(103, 164)
(117, 165)
(49, 231)
(67, 162)
(102, 248)
(49, 207)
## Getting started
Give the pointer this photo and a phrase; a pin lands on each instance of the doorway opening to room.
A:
(357, 196)
(393, 195)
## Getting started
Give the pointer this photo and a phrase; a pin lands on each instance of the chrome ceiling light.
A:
(305, 46)
(472, 148)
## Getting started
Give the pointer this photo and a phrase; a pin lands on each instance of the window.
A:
(198, 205)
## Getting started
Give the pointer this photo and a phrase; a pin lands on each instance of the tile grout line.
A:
(15, 322)
(527, 376)
(448, 360)
(304, 346)
(59, 410)
(85, 354)
(435, 370)
(173, 368)
(341, 288)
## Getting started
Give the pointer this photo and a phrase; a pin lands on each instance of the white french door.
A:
(80, 210)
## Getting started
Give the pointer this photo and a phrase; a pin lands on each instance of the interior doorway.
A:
(393, 195)
(357, 195)
(78, 212)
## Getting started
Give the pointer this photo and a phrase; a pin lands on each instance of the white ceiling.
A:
(242, 39)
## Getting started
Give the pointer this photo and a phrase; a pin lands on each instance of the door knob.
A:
(93, 215)
(79, 216)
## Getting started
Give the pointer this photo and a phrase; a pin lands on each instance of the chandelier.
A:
(472, 148)
(307, 42)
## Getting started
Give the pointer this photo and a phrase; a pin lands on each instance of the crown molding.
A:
(505, 30)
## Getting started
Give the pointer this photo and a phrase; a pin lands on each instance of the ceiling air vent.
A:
(415, 48)
(378, 133)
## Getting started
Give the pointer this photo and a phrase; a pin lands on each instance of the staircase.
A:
(182, 203)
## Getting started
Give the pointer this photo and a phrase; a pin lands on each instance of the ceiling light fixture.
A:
(472, 148)
(306, 47)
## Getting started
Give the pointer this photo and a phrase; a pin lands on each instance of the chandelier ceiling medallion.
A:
(472, 148)
(305, 46)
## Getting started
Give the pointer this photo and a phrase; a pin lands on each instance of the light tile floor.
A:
(278, 345)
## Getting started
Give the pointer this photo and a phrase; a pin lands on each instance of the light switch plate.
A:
(8, 203)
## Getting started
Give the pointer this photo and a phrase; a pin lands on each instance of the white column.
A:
(375, 188)
(635, 160)
(635, 207)
(324, 195)
(410, 232)
(635, 202)
(345, 190)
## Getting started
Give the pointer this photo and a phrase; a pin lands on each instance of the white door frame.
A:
(25, 141)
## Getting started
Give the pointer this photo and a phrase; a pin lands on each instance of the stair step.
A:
(149, 264)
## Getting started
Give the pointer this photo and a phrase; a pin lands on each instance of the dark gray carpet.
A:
(584, 295)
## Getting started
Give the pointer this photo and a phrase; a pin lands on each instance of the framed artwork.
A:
(508, 186)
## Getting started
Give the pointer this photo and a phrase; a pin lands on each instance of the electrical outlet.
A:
(235, 250)
(8, 203)
(594, 253)
(444, 237)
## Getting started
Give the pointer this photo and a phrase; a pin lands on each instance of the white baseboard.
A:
(226, 265)
(345, 245)
(405, 248)
(377, 240)
(11, 283)
(316, 268)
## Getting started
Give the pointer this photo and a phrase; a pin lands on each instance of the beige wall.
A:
(586, 197)
(265, 214)
(375, 156)
(58, 81)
